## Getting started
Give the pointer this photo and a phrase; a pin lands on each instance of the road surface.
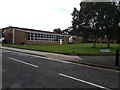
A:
(22, 70)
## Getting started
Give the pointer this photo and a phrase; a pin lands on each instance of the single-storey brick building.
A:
(17, 35)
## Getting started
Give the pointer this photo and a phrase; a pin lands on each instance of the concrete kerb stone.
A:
(46, 54)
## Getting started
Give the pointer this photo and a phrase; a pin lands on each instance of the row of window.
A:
(46, 37)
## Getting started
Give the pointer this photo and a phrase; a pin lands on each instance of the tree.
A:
(75, 22)
(110, 20)
(67, 30)
(96, 20)
(57, 30)
(89, 18)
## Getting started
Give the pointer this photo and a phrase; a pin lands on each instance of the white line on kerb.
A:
(23, 62)
(80, 80)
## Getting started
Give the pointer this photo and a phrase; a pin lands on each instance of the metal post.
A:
(13, 41)
(30, 36)
(117, 58)
(73, 51)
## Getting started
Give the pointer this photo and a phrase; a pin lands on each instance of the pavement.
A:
(46, 54)
(105, 62)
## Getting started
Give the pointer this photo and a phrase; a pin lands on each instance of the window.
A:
(31, 36)
(47, 37)
(41, 35)
(36, 36)
(28, 36)
(62, 38)
(44, 35)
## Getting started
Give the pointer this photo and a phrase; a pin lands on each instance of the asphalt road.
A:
(20, 70)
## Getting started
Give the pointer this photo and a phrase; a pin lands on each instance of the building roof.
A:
(27, 29)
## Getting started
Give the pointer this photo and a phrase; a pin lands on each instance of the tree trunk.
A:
(94, 44)
(108, 43)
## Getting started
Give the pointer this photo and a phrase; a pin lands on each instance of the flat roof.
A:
(34, 30)
(27, 29)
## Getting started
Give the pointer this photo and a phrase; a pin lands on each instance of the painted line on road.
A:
(83, 81)
(62, 61)
(40, 57)
(23, 62)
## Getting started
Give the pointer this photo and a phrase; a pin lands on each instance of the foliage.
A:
(57, 30)
(96, 20)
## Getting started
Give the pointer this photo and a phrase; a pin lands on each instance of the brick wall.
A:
(8, 36)
(21, 38)
(78, 40)
(66, 40)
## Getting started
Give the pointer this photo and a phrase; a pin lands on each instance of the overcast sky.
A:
(37, 14)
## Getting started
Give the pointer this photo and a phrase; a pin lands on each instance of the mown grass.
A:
(79, 49)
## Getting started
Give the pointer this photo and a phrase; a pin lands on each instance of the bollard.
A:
(73, 51)
(117, 58)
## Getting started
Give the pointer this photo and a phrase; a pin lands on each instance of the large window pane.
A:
(31, 36)
(28, 36)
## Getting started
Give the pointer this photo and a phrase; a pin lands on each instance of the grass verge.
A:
(77, 49)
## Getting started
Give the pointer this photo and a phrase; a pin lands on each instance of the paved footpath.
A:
(101, 61)
(47, 54)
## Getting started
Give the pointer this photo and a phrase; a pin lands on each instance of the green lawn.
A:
(82, 48)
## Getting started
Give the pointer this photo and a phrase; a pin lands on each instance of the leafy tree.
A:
(96, 20)
(110, 20)
(90, 20)
(75, 22)
(67, 30)
(57, 30)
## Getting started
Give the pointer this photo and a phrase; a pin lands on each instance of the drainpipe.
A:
(13, 41)
(30, 38)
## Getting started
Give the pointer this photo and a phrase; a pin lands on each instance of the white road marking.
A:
(80, 80)
(23, 62)
(7, 51)
(63, 61)
(40, 57)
